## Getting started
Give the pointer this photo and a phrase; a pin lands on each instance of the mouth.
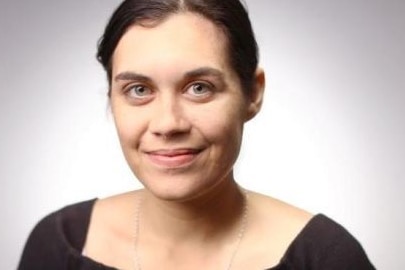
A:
(173, 158)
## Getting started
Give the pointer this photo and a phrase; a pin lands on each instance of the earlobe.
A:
(255, 98)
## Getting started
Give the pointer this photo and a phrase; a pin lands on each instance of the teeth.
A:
(178, 154)
(170, 153)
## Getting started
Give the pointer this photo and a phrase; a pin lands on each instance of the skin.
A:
(189, 118)
(179, 111)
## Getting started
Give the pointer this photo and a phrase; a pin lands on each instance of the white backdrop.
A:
(330, 137)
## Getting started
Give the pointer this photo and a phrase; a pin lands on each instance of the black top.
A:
(57, 242)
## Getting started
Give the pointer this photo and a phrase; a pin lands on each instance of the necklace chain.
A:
(241, 233)
(136, 257)
(242, 229)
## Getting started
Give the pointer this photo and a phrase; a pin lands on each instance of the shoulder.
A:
(113, 212)
(292, 238)
(110, 222)
(325, 244)
(277, 217)
(56, 236)
(273, 225)
(111, 225)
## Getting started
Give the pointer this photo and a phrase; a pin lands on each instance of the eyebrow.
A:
(204, 71)
(199, 72)
(131, 76)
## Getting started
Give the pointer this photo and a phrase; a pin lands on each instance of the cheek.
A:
(222, 125)
(224, 129)
(124, 130)
(128, 126)
(224, 135)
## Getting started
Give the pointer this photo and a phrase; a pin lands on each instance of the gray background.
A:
(330, 137)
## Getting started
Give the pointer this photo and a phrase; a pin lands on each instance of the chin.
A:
(179, 189)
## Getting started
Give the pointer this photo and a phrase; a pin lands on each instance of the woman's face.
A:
(178, 106)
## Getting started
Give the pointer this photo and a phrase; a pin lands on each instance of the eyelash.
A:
(135, 87)
(207, 88)
(131, 91)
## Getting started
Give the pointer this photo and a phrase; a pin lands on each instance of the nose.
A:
(169, 118)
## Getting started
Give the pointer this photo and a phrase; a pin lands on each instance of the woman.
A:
(183, 80)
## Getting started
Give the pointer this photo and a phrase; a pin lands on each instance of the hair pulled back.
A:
(229, 15)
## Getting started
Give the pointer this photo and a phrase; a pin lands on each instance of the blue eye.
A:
(199, 89)
(139, 91)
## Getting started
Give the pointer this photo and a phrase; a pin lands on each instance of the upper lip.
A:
(174, 151)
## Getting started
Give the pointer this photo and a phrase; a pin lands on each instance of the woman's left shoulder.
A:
(273, 225)
(328, 245)
(281, 216)
(301, 238)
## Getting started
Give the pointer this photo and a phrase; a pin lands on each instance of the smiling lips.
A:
(173, 158)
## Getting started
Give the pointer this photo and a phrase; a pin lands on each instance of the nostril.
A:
(169, 121)
(172, 135)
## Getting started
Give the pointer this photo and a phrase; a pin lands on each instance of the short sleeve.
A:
(56, 241)
(324, 244)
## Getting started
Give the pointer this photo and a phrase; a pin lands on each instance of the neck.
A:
(213, 216)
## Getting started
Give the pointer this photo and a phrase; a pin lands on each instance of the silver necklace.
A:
(241, 233)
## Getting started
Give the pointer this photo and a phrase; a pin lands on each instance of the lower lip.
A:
(173, 162)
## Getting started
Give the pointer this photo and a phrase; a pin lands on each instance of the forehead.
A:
(186, 39)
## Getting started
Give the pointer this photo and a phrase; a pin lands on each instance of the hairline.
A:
(154, 22)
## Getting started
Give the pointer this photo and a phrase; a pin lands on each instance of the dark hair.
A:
(229, 15)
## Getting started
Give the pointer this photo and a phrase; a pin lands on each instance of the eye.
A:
(139, 91)
(138, 94)
(199, 90)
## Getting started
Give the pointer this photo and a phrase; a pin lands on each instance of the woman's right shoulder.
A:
(65, 217)
(57, 236)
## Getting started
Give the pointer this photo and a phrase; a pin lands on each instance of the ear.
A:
(255, 97)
